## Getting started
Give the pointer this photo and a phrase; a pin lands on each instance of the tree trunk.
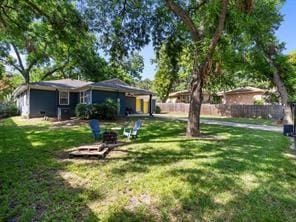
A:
(284, 97)
(278, 82)
(200, 70)
(26, 76)
(193, 125)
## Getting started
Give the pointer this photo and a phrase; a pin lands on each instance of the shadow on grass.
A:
(244, 175)
(237, 174)
(32, 188)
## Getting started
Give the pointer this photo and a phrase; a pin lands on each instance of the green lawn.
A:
(230, 174)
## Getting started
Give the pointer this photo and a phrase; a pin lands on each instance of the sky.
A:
(286, 33)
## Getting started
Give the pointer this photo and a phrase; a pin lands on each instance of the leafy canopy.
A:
(46, 37)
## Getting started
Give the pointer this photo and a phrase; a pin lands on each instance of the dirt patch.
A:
(144, 200)
(135, 202)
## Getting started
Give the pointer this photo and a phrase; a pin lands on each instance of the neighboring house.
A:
(184, 97)
(49, 97)
(246, 95)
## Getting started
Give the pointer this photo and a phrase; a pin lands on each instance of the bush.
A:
(82, 111)
(157, 110)
(96, 111)
(259, 102)
(103, 111)
(7, 110)
(110, 108)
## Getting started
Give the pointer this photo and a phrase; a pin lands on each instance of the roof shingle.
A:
(63, 83)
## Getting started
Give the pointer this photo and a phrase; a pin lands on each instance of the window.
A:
(64, 98)
(85, 97)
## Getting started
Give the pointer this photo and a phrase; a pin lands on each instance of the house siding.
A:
(243, 98)
(43, 101)
(48, 102)
(101, 96)
(22, 102)
(73, 101)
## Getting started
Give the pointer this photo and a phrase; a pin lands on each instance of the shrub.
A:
(110, 108)
(97, 111)
(82, 111)
(103, 111)
(157, 110)
(259, 102)
(7, 110)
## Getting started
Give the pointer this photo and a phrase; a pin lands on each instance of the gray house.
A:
(49, 97)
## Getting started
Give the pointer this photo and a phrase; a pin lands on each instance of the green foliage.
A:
(82, 111)
(45, 38)
(272, 97)
(157, 110)
(291, 75)
(8, 109)
(128, 69)
(167, 71)
(7, 85)
(110, 109)
(104, 111)
(292, 59)
(202, 26)
(144, 84)
(258, 102)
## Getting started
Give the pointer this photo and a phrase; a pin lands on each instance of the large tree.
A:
(125, 26)
(46, 37)
(266, 53)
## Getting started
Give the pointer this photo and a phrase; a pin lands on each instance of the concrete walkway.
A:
(224, 123)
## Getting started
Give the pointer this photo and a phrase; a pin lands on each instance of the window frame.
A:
(68, 98)
(83, 95)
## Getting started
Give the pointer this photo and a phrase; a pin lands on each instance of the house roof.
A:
(174, 94)
(120, 86)
(243, 90)
(63, 83)
(73, 85)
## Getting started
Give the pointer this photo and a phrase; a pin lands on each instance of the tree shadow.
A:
(238, 175)
(244, 176)
(246, 180)
(32, 186)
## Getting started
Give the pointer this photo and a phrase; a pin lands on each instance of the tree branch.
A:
(199, 5)
(10, 19)
(186, 19)
(18, 57)
(219, 28)
(216, 37)
(50, 72)
(11, 64)
(34, 61)
(37, 9)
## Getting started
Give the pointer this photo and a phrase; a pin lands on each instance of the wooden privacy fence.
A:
(247, 111)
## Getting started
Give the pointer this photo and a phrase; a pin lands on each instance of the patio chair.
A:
(95, 128)
(129, 133)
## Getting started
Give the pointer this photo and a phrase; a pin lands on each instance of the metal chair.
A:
(128, 132)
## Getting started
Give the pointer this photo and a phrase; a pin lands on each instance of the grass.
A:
(230, 174)
(257, 121)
